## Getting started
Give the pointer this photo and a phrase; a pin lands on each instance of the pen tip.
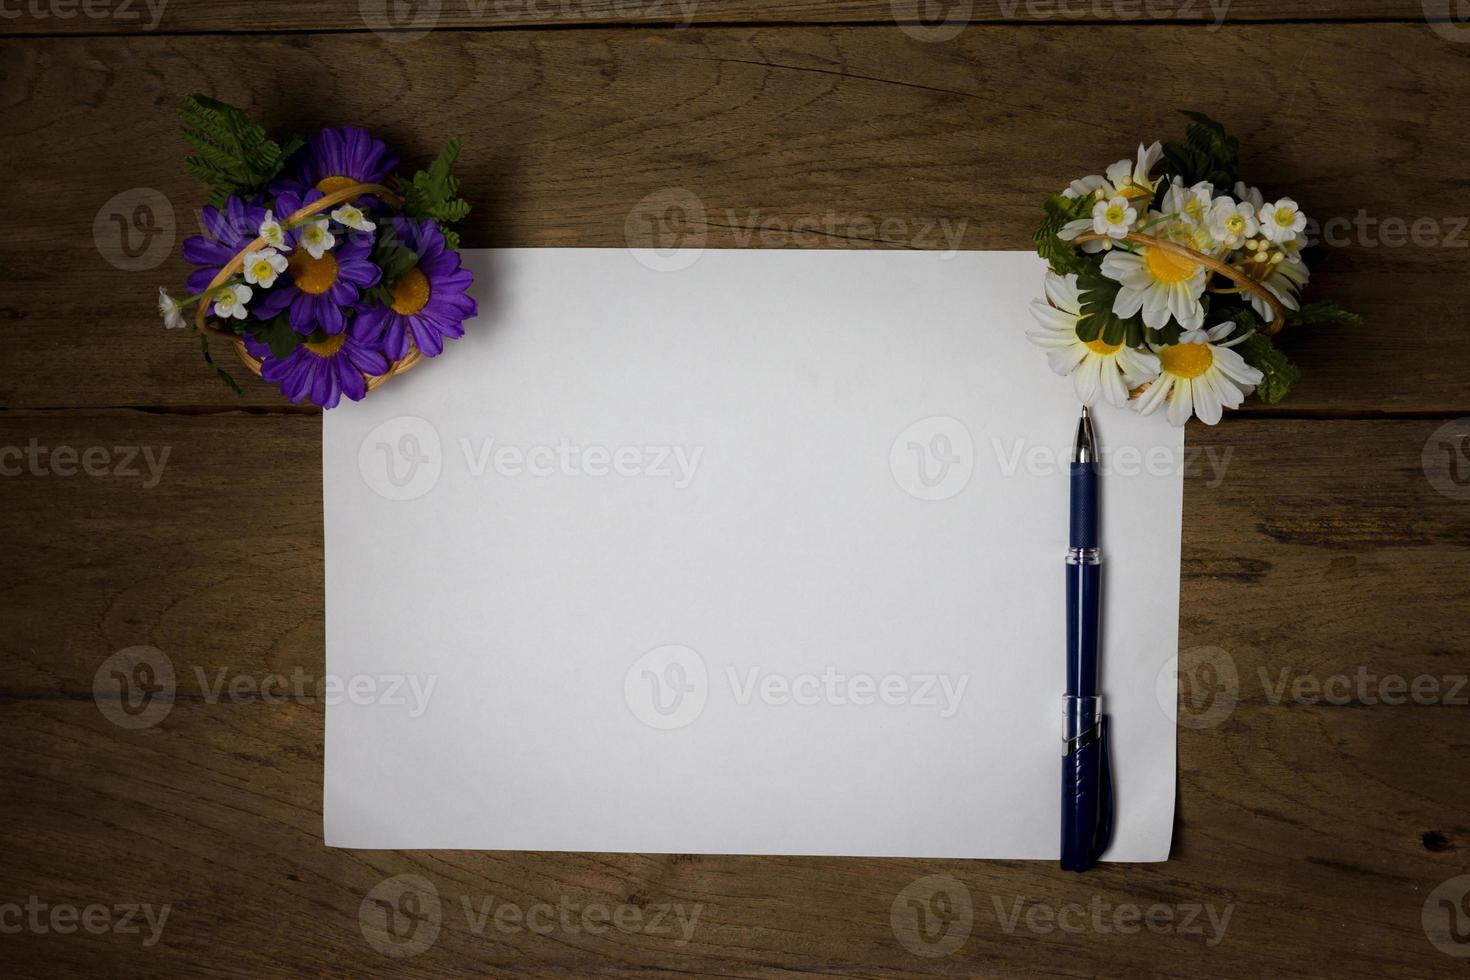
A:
(1084, 411)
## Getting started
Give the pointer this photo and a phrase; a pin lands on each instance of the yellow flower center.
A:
(1167, 267)
(1115, 214)
(262, 269)
(1186, 360)
(1235, 223)
(329, 184)
(1100, 346)
(412, 292)
(328, 347)
(312, 276)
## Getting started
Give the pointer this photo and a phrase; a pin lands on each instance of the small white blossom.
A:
(263, 266)
(270, 230)
(1113, 218)
(353, 218)
(1232, 223)
(316, 238)
(173, 317)
(230, 301)
(1282, 221)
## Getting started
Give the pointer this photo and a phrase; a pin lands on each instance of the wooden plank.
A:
(1301, 829)
(819, 137)
(219, 561)
(63, 17)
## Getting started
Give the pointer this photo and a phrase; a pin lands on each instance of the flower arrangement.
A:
(1164, 289)
(326, 269)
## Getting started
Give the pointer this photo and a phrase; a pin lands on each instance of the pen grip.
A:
(1083, 530)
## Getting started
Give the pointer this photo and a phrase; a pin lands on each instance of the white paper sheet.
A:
(760, 555)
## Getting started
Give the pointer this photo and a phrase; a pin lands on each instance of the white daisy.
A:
(316, 238)
(1200, 377)
(173, 317)
(263, 266)
(270, 230)
(1095, 365)
(230, 301)
(1231, 223)
(1160, 283)
(1282, 221)
(1113, 218)
(353, 218)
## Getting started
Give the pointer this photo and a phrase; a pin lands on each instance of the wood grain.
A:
(1298, 816)
(50, 17)
(848, 137)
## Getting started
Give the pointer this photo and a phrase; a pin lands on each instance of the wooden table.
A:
(1325, 569)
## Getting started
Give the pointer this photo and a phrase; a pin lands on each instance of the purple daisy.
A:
(318, 292)
(335, 158)
(429, 303)
(323, 372)
(228, 232)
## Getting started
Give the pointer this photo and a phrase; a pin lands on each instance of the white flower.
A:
(270, 230)
(1083, 186)
(353, 218)
(1191, 204)
(1281, 270)
(1199, 377)
(1131, 179)
(173, 317)
(1113, 218)
(316, 238)
(230, 301)
(1282, 221)
(262, 267)
(1095, 365)
(1231, 223)
(1158, 282)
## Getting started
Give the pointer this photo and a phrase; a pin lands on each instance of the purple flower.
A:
(323, 372)
(429, 303)
(319, 292)
(335, 158)
(228, 232)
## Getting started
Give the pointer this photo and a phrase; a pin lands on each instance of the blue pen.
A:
(1087, 784)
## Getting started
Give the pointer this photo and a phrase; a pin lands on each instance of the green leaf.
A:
(221, 372)
(1323, 313)
(277, 334)
(433, 193)
(232, 155)
(1207, 153)
(1097, 293)
(1063, 257)
(1279, 373)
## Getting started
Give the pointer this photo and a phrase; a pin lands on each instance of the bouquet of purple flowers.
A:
(326, 270)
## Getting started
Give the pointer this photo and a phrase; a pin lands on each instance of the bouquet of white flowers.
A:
(1165, 289)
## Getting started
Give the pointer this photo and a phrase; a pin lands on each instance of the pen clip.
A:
(1104, 835)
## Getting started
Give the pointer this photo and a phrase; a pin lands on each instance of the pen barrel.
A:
(1083, 532)
(1084, 600)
